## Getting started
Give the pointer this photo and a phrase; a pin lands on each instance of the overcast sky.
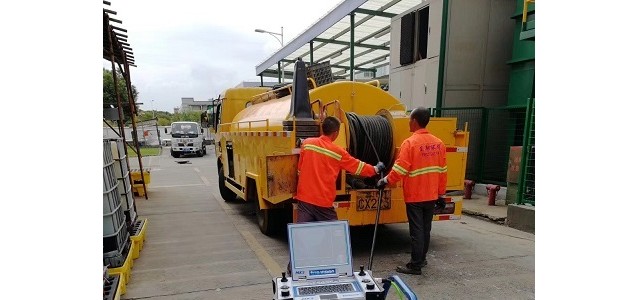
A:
(195, 48)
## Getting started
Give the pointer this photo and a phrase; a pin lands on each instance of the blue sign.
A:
(322, 272)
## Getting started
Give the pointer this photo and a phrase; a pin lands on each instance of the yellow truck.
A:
(259, 132)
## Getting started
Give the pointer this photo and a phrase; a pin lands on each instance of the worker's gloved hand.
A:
(440, 204)
(379, 167)
(381, 183)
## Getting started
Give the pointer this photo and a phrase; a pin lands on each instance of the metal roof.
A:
(331, 36)
(114, 39)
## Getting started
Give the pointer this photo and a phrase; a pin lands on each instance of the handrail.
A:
(377, 83)
(266, 96)
(319, 107)
(337, 104)
(313, 81)
(397, 104)
(525, 8)
(242, 122)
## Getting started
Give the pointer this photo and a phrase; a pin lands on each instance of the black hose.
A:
(371, 141)
(381, 135)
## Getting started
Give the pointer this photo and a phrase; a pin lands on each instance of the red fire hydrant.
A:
(468, 188)
(492, 190)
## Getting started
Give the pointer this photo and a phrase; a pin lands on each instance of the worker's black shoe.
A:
(407, 270)
(422, 265)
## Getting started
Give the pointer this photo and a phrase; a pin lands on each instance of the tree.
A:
(164, 118)
(109, 95)
(190, 116)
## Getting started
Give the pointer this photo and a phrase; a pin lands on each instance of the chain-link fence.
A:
(526, 193)
(492, 132)
(148, 133)
(472, 116)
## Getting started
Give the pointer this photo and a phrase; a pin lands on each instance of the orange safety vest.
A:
(319, 164)
(422, 165)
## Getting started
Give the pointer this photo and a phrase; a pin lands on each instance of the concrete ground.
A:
(200, 247)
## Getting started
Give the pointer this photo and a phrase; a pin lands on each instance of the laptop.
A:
(321, 262)
(320, 250)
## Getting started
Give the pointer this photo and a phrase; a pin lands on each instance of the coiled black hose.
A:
(381, 135)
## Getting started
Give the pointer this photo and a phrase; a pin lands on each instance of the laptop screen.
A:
(320, 249)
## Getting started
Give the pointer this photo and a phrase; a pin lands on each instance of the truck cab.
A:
(187, 138)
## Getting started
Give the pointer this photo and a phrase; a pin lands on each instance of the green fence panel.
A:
(473, 116)
(504, 128)
(492, 132)
(526, 193)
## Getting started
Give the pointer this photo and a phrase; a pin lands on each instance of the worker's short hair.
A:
(330, 125)
(421, 115)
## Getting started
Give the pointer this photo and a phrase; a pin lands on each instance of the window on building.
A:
(423, 32)
(407, 27)
(414, 35)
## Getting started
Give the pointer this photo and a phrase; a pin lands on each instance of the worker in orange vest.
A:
(422, 165)
(319, 164)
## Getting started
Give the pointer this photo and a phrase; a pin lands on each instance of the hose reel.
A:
(380, 131)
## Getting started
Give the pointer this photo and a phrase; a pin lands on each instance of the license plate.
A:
(368, 200)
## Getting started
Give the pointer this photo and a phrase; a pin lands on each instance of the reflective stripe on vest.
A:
(399, 169)
(360, 167)
(426, 170)
(324, 151)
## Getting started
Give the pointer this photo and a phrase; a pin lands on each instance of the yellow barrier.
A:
(137, 241)
(137, 178)
(124, 271)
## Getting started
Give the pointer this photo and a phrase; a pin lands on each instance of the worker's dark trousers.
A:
(420, 215)
(309, 213)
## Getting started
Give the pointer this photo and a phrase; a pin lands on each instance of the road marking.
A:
(205, 180)
(181, 185)
(264, 257)
(196, 169)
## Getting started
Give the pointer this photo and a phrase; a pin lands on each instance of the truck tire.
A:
(199, 153)
(204, 150)
(175, 154)
(267, 219)
(225, 192)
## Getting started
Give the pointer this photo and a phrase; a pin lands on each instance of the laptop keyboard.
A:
(314, 290)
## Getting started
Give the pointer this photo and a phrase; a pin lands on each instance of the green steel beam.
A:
(279, 73)
(372, 60)
(355, 68)
(374, 12)
(360, 40)
(353, 41)
(275, 74)
(484, 127)
(357, 55)
(339, 34)
(361, 45)
(443, 41)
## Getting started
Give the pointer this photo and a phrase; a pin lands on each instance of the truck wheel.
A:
(204, 150)
(267, 219)
(225, 192)
(199, 153)
(175, 154)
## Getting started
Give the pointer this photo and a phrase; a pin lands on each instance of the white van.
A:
(187, 138)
